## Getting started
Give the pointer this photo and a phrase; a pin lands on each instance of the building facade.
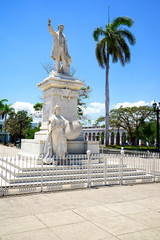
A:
(116, 136)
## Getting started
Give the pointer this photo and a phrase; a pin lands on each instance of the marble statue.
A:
(59, 130)
(60, 51)
(56, 144)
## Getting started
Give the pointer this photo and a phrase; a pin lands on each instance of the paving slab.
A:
(119, 225)
(60, 218)
(150, 203)
(110, 238)
(95, 212)
(150, 234)
(149, 218)
(21, 224)
(99, 213)
(45, 234)
(80, 231)
(126, 207)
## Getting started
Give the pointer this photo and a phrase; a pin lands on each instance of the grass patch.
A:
(133, 148)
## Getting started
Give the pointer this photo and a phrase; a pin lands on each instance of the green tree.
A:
(18, 125)
(112, 43)
(5, 109)
(38, 106)
(2, 104)
(99, 121)
(147, 131)
(132, 120)
(84, 94)
(31, 132)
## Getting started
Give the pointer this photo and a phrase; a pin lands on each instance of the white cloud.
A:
(19, 106)
(127, 104)
(95, 108)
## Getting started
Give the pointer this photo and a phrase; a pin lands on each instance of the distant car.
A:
(127, 144)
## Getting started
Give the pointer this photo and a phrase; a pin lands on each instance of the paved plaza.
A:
(110, 212)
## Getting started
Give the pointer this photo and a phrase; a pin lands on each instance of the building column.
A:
(115, 135)
(120, 138)
(109, 138)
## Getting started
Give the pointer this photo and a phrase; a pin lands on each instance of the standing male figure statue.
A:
(60, 51)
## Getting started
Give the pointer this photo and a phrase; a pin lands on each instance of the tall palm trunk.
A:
(107, 102)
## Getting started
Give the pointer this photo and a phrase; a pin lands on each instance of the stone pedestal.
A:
(62, 90)
(33, 147)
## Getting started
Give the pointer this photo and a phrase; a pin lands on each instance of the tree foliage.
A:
(147, 131)
(84, 94)
(99, 121)
(18, 124)
(38, 106)
(135, 120)
(5, 109)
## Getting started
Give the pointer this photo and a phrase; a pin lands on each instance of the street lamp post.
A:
(156, 108)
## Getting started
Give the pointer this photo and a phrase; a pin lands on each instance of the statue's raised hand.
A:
(49, 22)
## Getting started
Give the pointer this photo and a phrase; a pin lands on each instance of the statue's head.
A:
(57, 109)
(61, 28)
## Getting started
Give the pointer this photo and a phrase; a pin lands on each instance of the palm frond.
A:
(98, 32)
(122, 21)
(128, 35)
(124, 48)
(100, 52)
(116, 52)
(114, 58)
(119, 55)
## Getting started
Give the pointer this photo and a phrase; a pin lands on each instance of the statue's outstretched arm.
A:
(50, 28)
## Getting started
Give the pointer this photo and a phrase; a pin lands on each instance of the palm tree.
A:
(2, 104)
(113, 42)
(5, 109)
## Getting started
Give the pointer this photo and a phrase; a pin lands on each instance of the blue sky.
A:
(25, 42)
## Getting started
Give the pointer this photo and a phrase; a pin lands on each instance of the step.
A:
(79, 181)
(66, 170)
(11, 178)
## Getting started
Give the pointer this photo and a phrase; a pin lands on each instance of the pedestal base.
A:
(33, 147)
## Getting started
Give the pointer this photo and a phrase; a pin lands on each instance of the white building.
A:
(116, 137)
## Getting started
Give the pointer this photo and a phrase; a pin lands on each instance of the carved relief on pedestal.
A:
(46, 111)
(67, 93)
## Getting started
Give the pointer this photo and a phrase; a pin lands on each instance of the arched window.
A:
(102, 138)
(98, 136)
(94, 137)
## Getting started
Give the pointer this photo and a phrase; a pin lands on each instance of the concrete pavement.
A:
(117, 212)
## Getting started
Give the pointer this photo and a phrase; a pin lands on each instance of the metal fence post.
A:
(153, 167)
(121, 165)
(41, 159)
(105, 170)
(88, 168)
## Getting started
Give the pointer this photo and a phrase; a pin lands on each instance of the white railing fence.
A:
(29, 174)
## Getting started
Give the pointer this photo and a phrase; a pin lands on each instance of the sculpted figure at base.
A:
(60, 50)
(59, 130)
(56, 144)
